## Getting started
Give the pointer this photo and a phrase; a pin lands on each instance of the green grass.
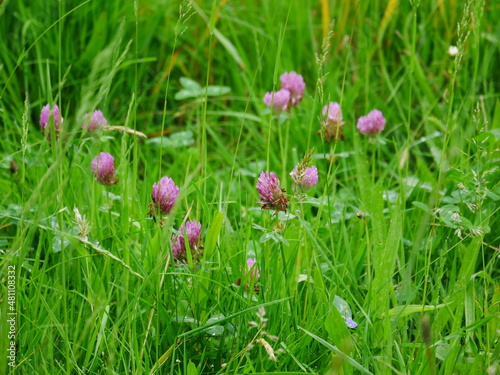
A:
(404, 228)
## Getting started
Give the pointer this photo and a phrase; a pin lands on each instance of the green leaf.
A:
(402, 311)
(495, 124)
(191, 369)
(230, 48)
(496, 133)
(279, 238)
(285, 216)
(448, 214)
(184, 319)
(186, 94)
(422, 206)
(189, 84)
(276, 237)
(162, 360)
(239, 115)
(215, 331)
(213, 234)
(384, 264)
(266, 237)
(342, 307)
(175, 140)
(218, 90)
(334, 349)
(338, 332)
(486, 138)
(493, 196)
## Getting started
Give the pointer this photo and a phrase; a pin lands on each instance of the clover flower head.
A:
(277, 101)
(332, 123)
(44, 116)
(306, 178)
(272, 196)
(55, 113)
(333, 113)
(371, 124)
(254, 271)
(192, 231)
(164, 195)
(103, 168)
(97, 121)
(294, 83)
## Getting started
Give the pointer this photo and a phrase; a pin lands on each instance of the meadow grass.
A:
(403, 229)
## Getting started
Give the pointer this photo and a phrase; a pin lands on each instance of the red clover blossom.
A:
(45, 115)
(277, 101)
(164, 195)
(96, 122)
(306, 178)
(332, 125)
(294, 83)
(290, 94)
(103, 168)
(371, 124)
(253, 270)
(192, 231)
(272, 196)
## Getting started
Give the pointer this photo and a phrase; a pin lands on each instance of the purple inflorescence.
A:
(271, 195)
(277, 101)
(333, 113)
(290, 94)
(103, 168)
(253, 270)
(45, 115)
(192, 231)
(97, 121)
(351, 323)
(306, 178)
(294, 83)
(332, 124)
(371, 124)
(164, 195)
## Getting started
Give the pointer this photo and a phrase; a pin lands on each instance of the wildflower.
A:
(254, 271)
(272, 196)
(294, 83)
(453, 51)
(304, 175)
(332, 125)
(371, 124)
(103, 168)
(345, 311)
(192, 231)
(45, 115)
(351, 323)
(96, 122)
(304, 178)
(164, 195)
(277, 101)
